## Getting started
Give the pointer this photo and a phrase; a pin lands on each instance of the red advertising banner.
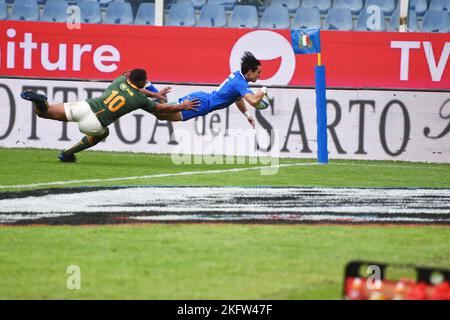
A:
(208, 55)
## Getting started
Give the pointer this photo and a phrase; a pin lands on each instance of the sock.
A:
(85, 143)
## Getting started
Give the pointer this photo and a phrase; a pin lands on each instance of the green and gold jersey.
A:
(120, 98)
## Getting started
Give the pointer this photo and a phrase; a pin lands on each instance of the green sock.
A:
(85, 143)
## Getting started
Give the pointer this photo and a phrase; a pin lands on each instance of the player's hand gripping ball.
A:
(264, 104)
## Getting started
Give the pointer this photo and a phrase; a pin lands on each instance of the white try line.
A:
(163, 175)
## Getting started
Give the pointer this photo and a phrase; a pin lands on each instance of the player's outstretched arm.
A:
(185, 105)
(255, 99)
(241, 106)
(160, 95)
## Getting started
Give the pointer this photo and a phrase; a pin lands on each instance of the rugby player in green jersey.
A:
(94, 116)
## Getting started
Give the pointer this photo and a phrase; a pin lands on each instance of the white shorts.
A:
(82, 113)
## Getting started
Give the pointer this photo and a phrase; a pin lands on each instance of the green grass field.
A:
(205, 261)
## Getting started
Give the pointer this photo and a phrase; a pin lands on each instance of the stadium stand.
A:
(387, 6)
(55, 11)
(275, 17)
(395, 17)
(436, 21)
(212, 15)
(228, 4)
(197, 4)
(418, 6)
(307, 18)
(119, 13)
(3, 10)
(104, 3)
(339, 19)
(260, 7)
(322, 5)
(369, 21)
(441, 5)
(240, 13)
(244, 16)
(90, 11)
(25, 10)
(291, 5)
(354, 6)
(181, 14)
(145, 14)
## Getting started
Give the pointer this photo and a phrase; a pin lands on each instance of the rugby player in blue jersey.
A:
(235, 89)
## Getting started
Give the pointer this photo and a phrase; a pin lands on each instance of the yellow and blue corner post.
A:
(321, 111)
(307, 41)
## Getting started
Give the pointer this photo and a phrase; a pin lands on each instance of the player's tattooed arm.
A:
(241, 106)
(255, 99)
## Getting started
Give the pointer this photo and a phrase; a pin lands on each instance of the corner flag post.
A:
(321, 112)
(307, 41)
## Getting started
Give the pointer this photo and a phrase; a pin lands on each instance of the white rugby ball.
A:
(264, 104)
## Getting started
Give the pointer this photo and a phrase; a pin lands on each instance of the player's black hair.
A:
(138, 75)
(249, 62)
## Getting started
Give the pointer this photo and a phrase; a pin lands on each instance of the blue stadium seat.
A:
(339, 19)
(275, 17)
(436, 21)
(369, 21)
(25, 10)
(228, 4)
(197, 4)
(3, 10)
(104, 3)
(307, 18)
(440, 5)
(55, 11)
(119, 13)
(291, 5)
(90, 11)
(387, 6)
(212, 15)
(244, 17)
(72, 2)
(354, 6)
(322, 5)
(263, 6)
(145, 14)
(418, 6)
(394, 22)
(169, 3)
(181, 14)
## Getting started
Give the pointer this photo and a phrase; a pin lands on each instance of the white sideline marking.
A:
(163, 175)
(188, 173)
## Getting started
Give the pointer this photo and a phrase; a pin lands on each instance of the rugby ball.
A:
(264, 104)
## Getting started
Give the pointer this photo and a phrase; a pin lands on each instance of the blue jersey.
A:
(230, 91)
(150, 87)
